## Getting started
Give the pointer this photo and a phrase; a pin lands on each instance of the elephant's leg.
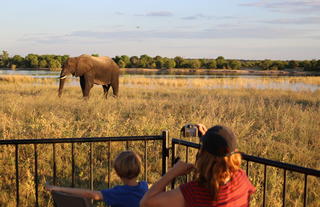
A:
(115, 87)
(87, 86)
(82, 84)
(106, 89)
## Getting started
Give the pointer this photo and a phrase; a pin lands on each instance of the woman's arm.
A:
(96, 195)
(157, 196)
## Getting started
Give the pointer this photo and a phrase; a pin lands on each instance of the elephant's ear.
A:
(84, 65)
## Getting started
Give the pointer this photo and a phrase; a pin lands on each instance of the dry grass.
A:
(231, 82)
(275, 124)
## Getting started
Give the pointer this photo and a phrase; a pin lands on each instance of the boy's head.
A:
(127, 165)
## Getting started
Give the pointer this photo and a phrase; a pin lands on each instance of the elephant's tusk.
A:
(63, 77)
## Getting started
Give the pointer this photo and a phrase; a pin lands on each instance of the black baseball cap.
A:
(219, 141)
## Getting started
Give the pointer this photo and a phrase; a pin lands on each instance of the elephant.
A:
(91, 70)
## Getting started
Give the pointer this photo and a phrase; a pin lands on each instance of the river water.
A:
(283, 85)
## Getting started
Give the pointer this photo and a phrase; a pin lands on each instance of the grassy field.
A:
(274, 124)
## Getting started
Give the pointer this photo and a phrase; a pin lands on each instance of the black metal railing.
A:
(266, 162)
(164, 138)
(35, 142)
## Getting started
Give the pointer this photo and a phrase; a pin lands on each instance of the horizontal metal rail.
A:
(286, 166)
(18, 142)
(267, 163)
(77, 140)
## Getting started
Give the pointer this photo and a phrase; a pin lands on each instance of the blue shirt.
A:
(125, 195)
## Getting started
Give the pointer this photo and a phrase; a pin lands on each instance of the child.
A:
(219, 180)
(127, 166)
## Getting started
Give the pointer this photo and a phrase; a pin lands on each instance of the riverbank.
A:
(187, 71)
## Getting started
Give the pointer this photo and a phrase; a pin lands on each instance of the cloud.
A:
(44, 39)
(194, 17)
(212, 33)
(159, 14)
(203, 16)
(135, 35)
(119, 13)
(304, 6)
(299, 21)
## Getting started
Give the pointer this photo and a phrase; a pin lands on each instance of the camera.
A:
(190, 130)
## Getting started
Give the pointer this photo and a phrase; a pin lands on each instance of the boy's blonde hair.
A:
(127, 165)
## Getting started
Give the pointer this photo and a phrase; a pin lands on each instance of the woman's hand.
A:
(181, 168)
(202, 129)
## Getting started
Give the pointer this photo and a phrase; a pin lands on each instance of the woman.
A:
(218, 181)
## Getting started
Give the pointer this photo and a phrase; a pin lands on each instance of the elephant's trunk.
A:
(61, 84)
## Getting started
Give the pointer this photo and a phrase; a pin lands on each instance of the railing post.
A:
(187, 160)
(73, 165)
(305, 190)
(91, 166)
(54, 164)
(17, 174)
(173, 156)
(36, 173)
(145, 160)
(265, 186)
(165, 153)
(247, 169)
(109, 162)
(284, 187)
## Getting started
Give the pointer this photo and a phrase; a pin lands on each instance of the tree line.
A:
(55, 62)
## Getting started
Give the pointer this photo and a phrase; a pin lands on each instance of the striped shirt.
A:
(235, 193)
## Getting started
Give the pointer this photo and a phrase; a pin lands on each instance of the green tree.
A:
(134, 61)
(235, 64)
(18, 61)
(212, 64)
(293, 64)
(145, 61)
(314, 65)
(121, 64)
(126, 60)
(266, 64)
(221, 62)
(4, 59)
(203, 63)
(43, 63)
(159, 61)
(318, 66)
(306, 64)
(169, 63)
(278, 65)
(95, 55)
(32, 61)
(179, 61)
(153, 65)
(54, 64)
(193, 63)
(116, 59)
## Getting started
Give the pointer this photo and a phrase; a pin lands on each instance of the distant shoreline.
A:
(188, 71)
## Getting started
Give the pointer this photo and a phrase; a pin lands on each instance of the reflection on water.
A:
(32, 73)
(236, 83)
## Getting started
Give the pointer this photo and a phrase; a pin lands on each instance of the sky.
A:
(235, 29)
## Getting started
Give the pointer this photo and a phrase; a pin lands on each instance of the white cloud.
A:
(304, 21)
(156, 14)
(303, 6)
(160, 14)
